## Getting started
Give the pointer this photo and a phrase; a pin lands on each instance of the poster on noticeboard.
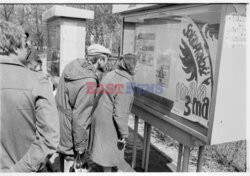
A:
(197, 52)
(179, 56)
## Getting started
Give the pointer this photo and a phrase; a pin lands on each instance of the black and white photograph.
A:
(130, 86)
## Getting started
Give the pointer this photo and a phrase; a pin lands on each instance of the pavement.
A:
(157, 161)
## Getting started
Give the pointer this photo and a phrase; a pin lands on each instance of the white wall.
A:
(72, 43)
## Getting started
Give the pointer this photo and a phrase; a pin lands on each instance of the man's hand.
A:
(121, 143)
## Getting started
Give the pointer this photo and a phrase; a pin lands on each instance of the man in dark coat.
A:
(75, 103)
(29, 118)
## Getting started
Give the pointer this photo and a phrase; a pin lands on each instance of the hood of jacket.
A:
(79, 69)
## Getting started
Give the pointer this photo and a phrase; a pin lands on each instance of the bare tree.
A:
(7, 11)
(104, 29)
(23, 13)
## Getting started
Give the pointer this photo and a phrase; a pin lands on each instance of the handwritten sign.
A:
(235, 31)
(195, 85)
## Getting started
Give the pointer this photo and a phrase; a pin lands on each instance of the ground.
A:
(157, 160)
(228, 157)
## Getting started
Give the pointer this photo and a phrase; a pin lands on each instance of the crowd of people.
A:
(41, 132)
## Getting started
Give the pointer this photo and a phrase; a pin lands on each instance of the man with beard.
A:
(74, 103)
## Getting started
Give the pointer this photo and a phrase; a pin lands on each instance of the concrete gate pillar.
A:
(66, 30)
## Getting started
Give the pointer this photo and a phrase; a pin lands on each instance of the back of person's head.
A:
(128, 63)
(11, 36)
(32, 58)
(95, 51)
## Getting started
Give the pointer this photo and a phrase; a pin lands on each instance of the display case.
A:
(192, 72)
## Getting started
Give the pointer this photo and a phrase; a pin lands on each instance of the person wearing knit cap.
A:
(75, 103)
(109, 128)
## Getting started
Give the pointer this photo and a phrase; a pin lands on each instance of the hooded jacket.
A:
(74, 105)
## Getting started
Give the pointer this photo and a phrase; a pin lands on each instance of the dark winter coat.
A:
(74, 105)
(110, 119)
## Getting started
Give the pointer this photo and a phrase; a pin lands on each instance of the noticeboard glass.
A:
(177, 51)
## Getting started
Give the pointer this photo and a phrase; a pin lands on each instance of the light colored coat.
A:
(29, 119)
(110, 119)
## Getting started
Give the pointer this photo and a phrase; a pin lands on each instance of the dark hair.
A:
(11, 36)
(27, 34)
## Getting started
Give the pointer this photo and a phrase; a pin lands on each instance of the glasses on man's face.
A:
(25, 42)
